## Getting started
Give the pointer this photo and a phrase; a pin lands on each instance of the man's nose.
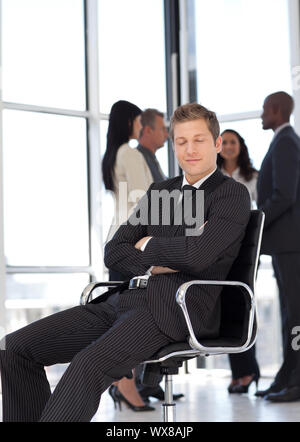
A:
(190, 147)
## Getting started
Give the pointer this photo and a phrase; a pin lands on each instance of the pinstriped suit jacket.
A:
(208, 256)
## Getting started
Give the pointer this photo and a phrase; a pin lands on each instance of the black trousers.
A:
(102, 342)
(116, 276)
(287, 273)
(244, 364)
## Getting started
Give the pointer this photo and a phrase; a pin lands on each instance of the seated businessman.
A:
(104, 341)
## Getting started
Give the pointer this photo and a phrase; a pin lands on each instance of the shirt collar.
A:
(279, 129)
(198, 183)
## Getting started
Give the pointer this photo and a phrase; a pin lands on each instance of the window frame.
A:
(294, 37)
(93, 117)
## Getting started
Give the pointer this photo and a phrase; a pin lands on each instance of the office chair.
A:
(238, 328)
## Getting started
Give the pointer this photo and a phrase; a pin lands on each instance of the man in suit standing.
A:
(153, 136)
(105, 340)
(279, 197)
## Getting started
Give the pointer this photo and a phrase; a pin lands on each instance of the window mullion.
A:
(94, 152)
(2, 257)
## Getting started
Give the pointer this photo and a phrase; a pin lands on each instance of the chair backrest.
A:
(234, 307)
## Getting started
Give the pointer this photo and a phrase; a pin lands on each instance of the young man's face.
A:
(195, 149)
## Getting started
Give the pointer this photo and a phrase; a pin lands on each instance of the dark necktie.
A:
(188, 194)
(186, 188)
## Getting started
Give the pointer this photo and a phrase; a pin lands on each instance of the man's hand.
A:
(141, 242)
(158, 270)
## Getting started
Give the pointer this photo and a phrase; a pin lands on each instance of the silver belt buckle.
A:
(138, 282)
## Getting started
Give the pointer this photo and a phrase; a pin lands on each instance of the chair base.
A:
(168, 412)
(168, 406)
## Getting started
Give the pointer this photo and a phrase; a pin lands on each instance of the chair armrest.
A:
(85, 295)
(194, 343)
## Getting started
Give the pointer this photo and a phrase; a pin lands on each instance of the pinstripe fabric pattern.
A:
(102, 341)
(208, 256)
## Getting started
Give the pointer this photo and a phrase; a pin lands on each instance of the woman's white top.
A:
(251, 185)
(132, 179)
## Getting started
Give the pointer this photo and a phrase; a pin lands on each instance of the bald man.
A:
(279, 197)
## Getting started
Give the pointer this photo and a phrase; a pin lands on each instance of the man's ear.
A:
(219, 144)
(147, 129)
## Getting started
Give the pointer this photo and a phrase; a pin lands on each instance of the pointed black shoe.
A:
(118, 398)
(271, 389)
(288, 394)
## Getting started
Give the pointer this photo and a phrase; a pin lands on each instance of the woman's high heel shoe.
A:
(231, 386)
(244, 388)
(118, 398)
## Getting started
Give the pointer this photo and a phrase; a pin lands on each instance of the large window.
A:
(32, 296)
(43, 52)
(64, 64)
(45, 157)
(239, 51)
(240, 54)
(132, 53)
(45, 181)
(131, 67)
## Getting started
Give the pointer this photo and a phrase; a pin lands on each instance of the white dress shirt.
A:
(279, 129)
(251, 184)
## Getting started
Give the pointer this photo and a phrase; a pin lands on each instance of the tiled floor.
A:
(206, 400)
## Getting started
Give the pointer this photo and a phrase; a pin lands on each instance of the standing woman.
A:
(124, 168)
(234, 161)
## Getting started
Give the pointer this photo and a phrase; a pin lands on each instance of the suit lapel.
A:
(212, 182)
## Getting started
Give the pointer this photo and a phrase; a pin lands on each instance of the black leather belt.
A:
(138, 283)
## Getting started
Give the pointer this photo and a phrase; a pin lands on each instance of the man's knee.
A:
(94, 362)
(15, 342)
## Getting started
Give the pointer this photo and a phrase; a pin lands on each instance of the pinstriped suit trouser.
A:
(102, 341)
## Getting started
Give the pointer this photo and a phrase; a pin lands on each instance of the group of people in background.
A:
(275, 189)
(106, 341)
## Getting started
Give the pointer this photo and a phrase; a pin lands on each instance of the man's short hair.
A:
(282, 101)
(195, 111)
(148, 117)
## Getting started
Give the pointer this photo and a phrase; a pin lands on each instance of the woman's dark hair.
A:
(121, 118)
(243, 161)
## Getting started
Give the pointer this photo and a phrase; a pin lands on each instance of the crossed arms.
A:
(156, 270)
(227, 217)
